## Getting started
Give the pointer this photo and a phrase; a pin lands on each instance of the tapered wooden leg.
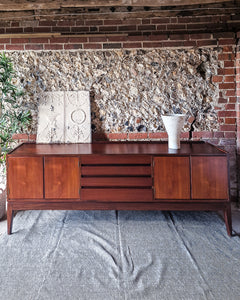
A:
(228, 219)
(9, 218)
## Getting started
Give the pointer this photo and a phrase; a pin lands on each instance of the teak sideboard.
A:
(118, 176)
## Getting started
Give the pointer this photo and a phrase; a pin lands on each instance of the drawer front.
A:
(116, 182)
(116, 195)
(116, 160)
(116, 170)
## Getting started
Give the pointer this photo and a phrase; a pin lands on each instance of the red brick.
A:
(152, 44)
(158, 37)
(161, 27)
(229, 71)
(179, 37)
(158, 135)
(28, 29)
(94, 22)
(113, 22)
(128, 28)
(42, 29)
(136, 136)
(229, 64)
(14, 47)
(2, 47)
(14, 30)
(227, 127)
(132, 45)
(202, 134)
(19, 41)
(107, 28)
(175, 27)
(229, 135)
(190, 44)
(65, 23)
(119, 38)
(227, 86)
(206, 43)
(232, 99)
(4, 41)
(92, 46)
(14, 24)
(229, 79)
(227, 42)
(97, 39)
(56, 40)
(53, 46)
(112, 46)
(172, 44)
(146, 21)
(79, 22)
(230, 106)
(79, 29)
(218, 134)
(226, 113)
(33, 47)
(73, 46)
(20, 136)
(160, 20)
(224, 35)
(225, 56)
(47, 23)
(227, 49)
(230, 93)
(145, 27)
(39, 40)
(222, 100)
(118, 136)
(184, 135)
(200, 36)
(217, 78)
(230, 120)
(78, 39)
(32, 137)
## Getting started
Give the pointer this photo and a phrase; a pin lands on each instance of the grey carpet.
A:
(119, 255)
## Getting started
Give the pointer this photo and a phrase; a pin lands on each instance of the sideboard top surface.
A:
(111, 148)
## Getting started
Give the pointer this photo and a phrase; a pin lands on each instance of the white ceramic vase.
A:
(173, 124)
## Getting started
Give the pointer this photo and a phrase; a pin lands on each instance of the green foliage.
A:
(13, 119)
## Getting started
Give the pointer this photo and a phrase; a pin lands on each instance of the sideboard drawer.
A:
(116, 181)
(117, 195)
(116, 170)
(116, 160)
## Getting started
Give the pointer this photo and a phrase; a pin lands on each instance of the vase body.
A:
(173, 124)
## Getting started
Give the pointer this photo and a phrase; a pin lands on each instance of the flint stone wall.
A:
(129, 89)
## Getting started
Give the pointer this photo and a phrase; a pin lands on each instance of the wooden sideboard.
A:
(119, 176)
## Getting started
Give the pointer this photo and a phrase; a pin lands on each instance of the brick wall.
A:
(209, 26)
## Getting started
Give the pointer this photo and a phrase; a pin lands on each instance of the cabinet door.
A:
(62, 177)
(209, 177)
(25, 177)
(171, 178)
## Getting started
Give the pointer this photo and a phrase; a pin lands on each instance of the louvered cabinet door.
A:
(62, 177)
(172, 178)
(25, 177)
(209, 177)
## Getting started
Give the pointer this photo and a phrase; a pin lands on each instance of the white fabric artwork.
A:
(64, 117)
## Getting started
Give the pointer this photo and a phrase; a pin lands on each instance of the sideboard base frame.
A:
(93, 205)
